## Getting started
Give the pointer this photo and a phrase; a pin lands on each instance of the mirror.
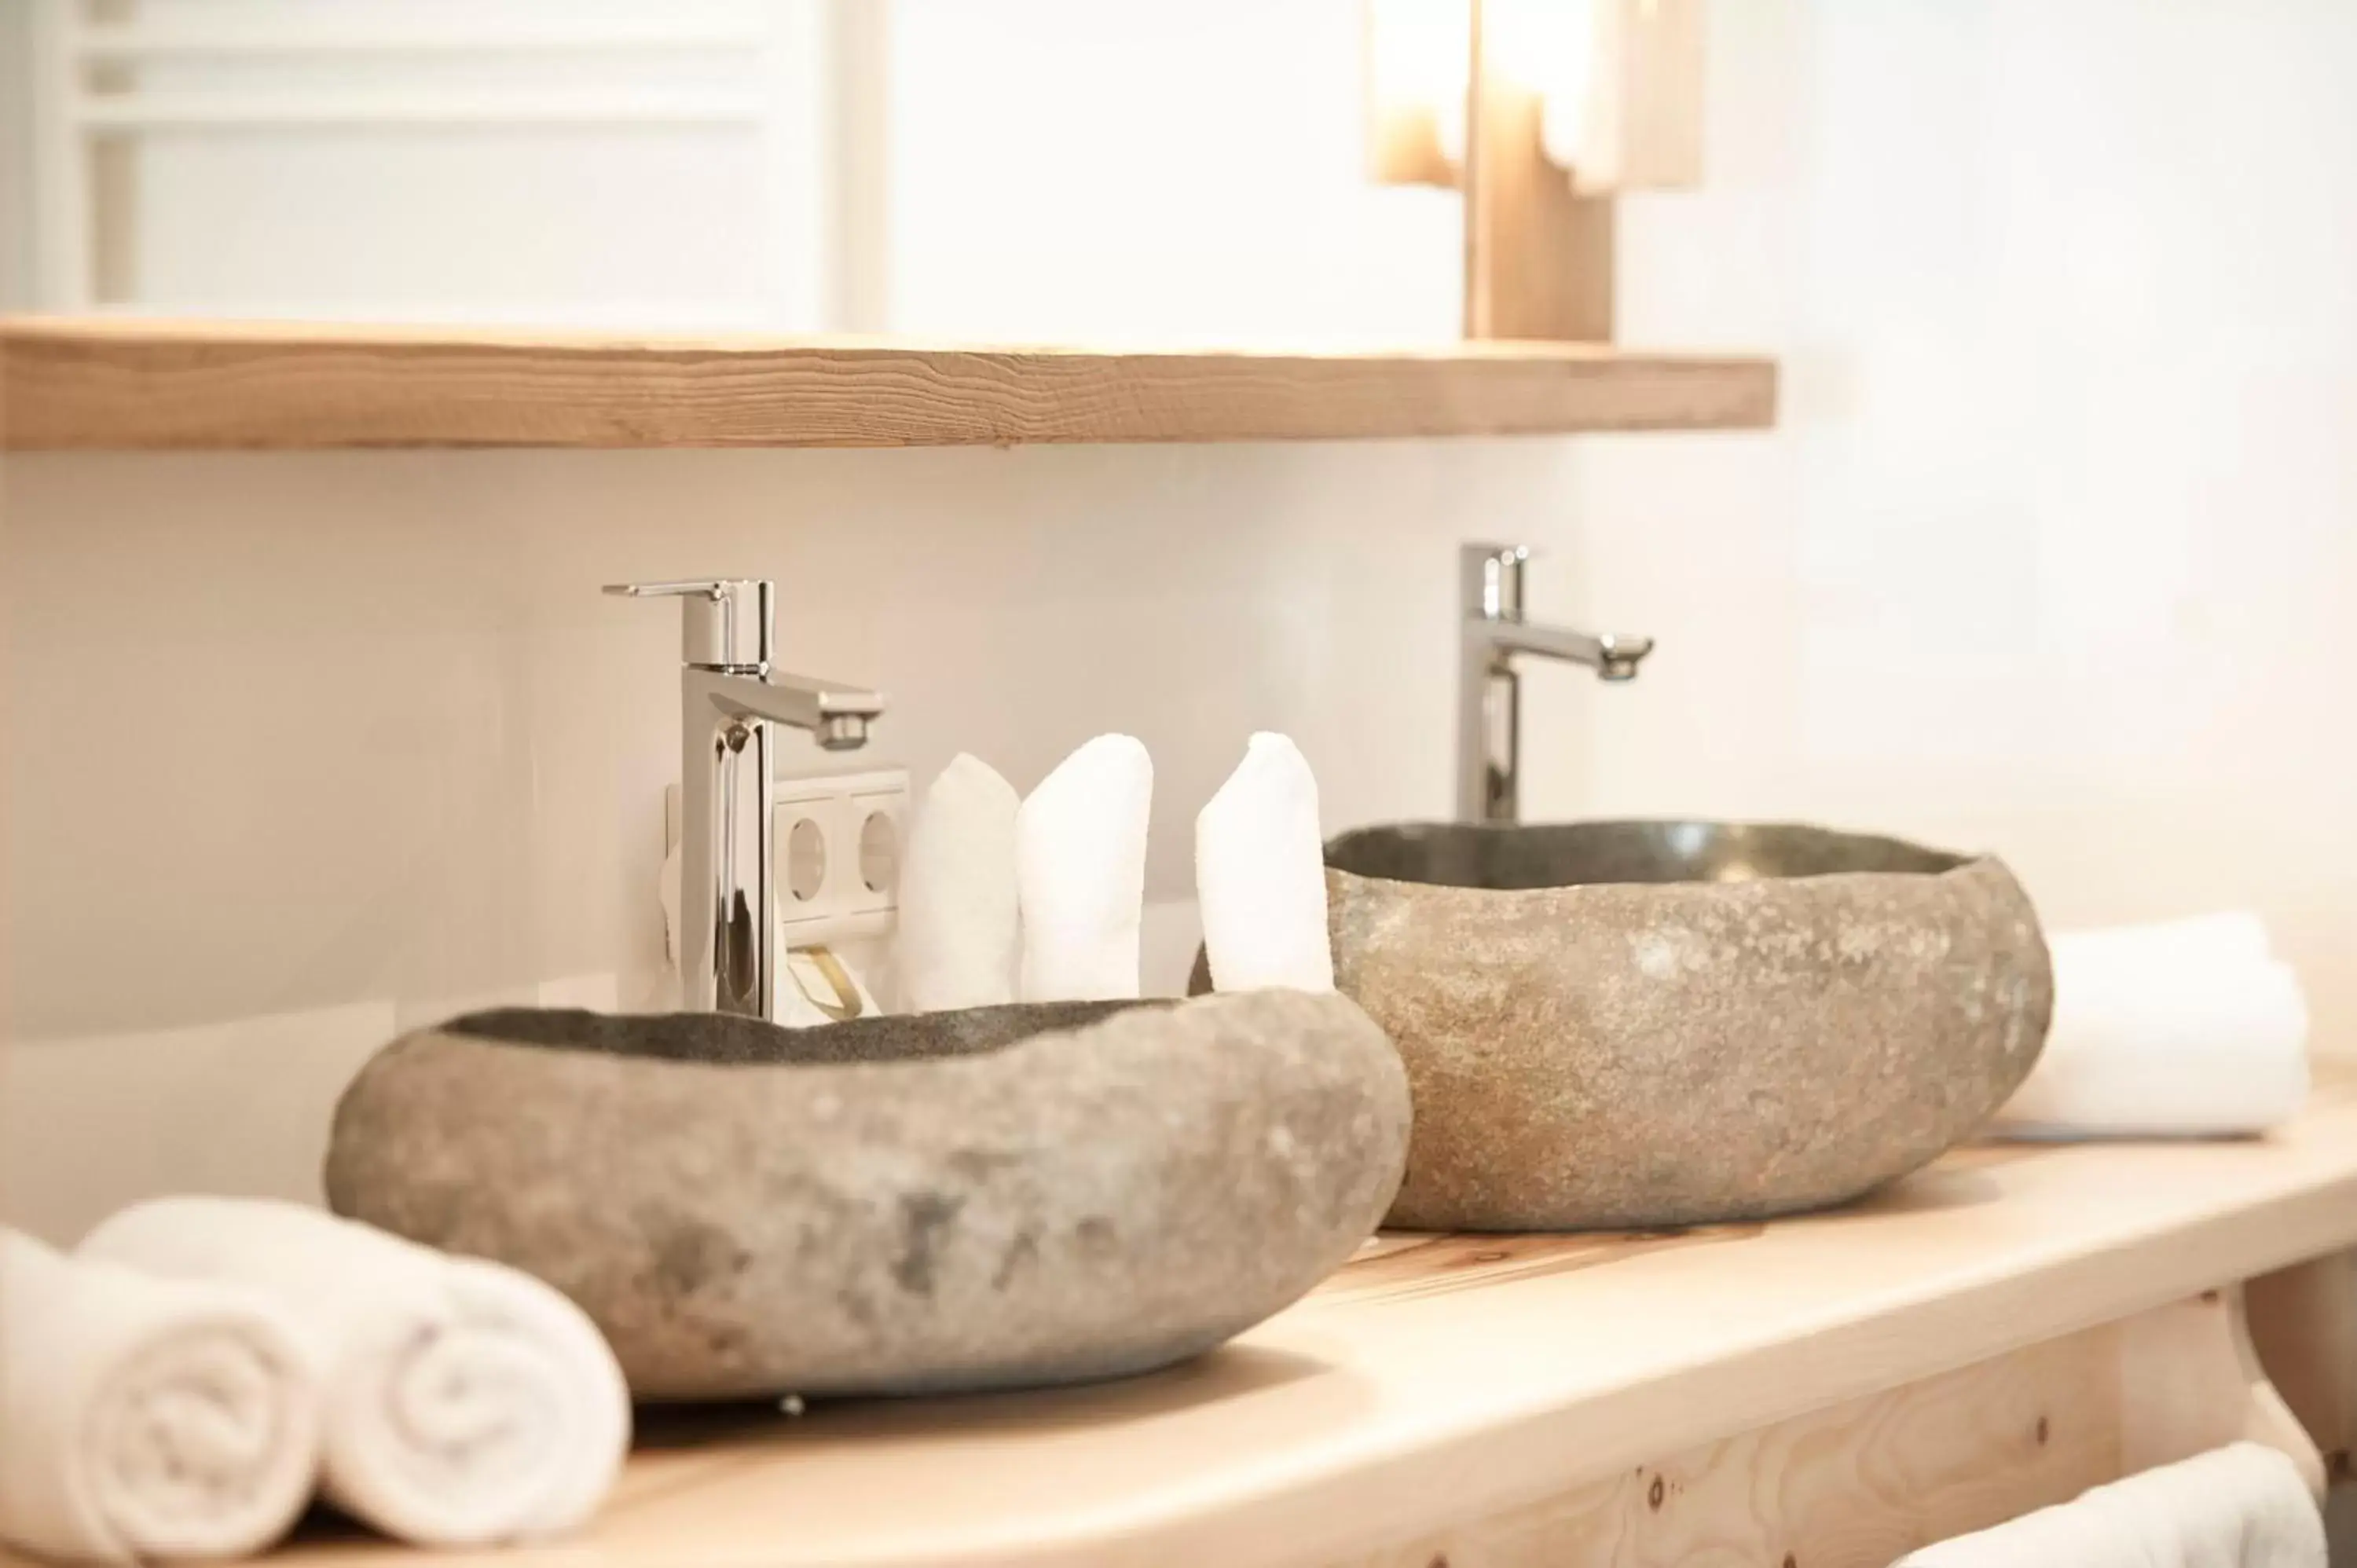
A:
(1189, 171)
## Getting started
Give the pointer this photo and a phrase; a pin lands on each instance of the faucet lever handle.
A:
(702, 588)
(726, 623)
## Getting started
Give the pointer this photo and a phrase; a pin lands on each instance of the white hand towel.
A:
(144, 1418)
(960, 933)
(1260, 874)
(2240, 1507)
(2225, 937)
(465, 1402)
(1080, 871)
(2184, 1029)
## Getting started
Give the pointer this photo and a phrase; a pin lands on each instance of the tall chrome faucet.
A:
(731, 702)
(1488, 693)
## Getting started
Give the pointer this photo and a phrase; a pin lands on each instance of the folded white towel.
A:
(1260, 874)
(2227, 937)
(1079, 863)
(960, 933)
(2183, 1030)
(465, 1402)
(2244, 1506)
(146, 1418)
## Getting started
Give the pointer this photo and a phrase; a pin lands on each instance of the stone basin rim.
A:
(896, 1040)
(1479, 847)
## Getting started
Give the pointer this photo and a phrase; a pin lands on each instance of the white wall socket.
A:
(835, 863)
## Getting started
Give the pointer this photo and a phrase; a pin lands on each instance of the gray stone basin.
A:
(999, 1198)
(1632, 1024)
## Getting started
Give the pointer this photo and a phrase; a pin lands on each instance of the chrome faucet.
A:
(1489, 693)
(731, 702)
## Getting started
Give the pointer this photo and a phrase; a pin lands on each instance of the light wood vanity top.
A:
(1439, 1375)
(115, 383)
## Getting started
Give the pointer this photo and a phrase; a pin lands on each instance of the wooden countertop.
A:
(1434, 1374)
(112, 383)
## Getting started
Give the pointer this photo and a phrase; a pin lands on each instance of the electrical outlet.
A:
(835, 865)
(838, 842)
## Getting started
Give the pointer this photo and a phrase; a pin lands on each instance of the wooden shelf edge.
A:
(71, 383)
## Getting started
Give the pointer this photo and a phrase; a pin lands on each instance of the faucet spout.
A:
(1614, 656)
(1489, 691)
(733, 701)
(836, 716)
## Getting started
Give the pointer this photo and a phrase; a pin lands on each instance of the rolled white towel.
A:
(960, 933)
(465, 1402)
(1079, 861)
(2183, 1029)
(146, 1418)
(2244, 1506)
(1260, 873)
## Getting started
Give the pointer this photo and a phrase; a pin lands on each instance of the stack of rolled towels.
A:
(182, 1382)
(2184, 1028)
(1037, 899)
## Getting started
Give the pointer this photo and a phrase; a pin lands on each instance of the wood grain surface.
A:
(1863, 1483)
(1856, 1485)
(122, 384)
(1842, 1380)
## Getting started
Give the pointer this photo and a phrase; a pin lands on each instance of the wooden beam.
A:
(2304, 1323)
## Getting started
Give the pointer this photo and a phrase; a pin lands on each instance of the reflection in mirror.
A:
(1217, 171)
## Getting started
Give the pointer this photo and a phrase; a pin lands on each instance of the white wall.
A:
(358, 728)
(2055, 552)
(1066, 170)
(2047, 557)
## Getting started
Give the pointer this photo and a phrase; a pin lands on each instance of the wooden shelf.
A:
(1438, 1379)
(124, 384)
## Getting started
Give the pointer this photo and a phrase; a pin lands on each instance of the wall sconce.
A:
(1419, 56)
(1541, 112)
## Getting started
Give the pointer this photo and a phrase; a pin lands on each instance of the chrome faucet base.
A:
(731, 703)
(1489, 693)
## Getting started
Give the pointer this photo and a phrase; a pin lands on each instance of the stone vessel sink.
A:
(1004, 1196)
(1634, 1023)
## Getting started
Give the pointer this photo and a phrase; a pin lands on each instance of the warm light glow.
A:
(1545, 46)
(1549, 48)
(1420, 60)
(1417, 53)
(1619, 83)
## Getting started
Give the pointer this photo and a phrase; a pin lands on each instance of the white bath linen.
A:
(1080, 862)
(960, 936)
(2244, 1506)
(1260, 873)
(146, 1418)
(2220, 938)
(2187, 1028)
(464, 1402)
